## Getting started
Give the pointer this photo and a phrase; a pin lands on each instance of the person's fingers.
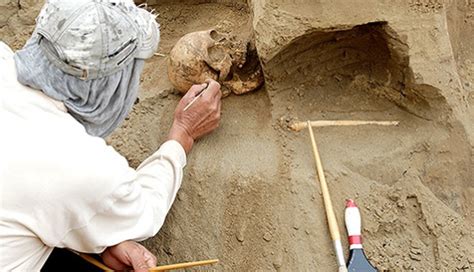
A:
(212, 121)
(196, 89)
(150, 259)
(138, 259)
(219, 93)
(112, 261)
(219, 112)
(213, 89)
(192, 93)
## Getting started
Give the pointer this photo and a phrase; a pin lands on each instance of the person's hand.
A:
(128, 255)
(199, 119)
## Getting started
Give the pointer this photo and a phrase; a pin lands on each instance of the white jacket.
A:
(61, 187)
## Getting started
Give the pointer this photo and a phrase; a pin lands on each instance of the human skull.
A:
(209, 54)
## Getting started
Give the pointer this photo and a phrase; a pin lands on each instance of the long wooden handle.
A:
(332, 222)
(183, 265)
(297, 126)
(93, 261)
(102, 266)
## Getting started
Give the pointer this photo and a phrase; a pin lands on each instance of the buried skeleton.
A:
(207, 54)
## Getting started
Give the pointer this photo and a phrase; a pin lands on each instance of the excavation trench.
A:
(371, 56)
(249, 195)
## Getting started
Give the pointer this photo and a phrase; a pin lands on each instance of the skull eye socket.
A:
(216, 36)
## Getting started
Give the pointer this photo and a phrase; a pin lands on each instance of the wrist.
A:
(181, 135)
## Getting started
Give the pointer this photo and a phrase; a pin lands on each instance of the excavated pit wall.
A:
(369, 54)
(341, 58)
(399, 50)
(418, 42)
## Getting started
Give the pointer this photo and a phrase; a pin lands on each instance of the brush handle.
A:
(196, 98)
(332, 222)
(353, 224)
(342, 269)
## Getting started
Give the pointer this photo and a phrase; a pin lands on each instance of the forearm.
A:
(182, 136)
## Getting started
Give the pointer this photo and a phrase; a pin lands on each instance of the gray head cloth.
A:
(89, 54)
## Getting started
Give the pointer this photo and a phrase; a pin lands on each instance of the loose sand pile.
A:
(249, 196)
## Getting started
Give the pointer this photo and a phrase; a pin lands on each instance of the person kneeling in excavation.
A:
(61, 185)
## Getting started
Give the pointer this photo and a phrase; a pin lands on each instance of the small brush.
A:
(196, 98)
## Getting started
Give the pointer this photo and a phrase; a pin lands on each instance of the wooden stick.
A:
(183, 265)
(332, 222)
(93, 261)
(297, 126)
(102, 266)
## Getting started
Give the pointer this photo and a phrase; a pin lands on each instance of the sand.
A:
(250, 195)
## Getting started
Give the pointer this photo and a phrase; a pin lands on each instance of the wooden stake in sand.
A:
(332, 222)
(297, 126)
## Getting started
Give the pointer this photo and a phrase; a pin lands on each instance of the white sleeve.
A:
(5, 50)
(140, 205)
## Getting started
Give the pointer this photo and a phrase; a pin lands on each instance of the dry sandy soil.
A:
(250, 197)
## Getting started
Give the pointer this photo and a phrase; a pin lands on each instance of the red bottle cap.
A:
(350, 203)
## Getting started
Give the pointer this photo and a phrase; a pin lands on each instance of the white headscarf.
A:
(99, 104)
